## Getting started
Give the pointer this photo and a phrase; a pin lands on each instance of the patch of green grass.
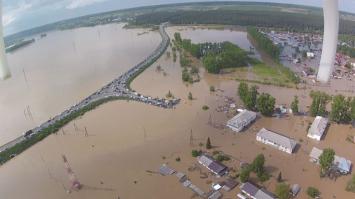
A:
(272, 75)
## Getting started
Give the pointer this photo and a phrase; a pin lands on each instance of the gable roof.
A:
(249, 188)
(263, 194)
(318, 126)
(277, 138)
(212, 164)
(242, 119)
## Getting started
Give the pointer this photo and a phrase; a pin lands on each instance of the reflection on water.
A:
(61, 69)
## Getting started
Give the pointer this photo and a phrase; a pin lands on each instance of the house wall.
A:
(250, 196)
(315, 137)
(279, 147)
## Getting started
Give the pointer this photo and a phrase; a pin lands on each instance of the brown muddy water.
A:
(128, 140)
(64, 68)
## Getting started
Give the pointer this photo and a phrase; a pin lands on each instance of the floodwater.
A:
(59, 70)
(128, 141)
(199, 34)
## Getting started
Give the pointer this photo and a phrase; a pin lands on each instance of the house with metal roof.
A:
(240, 121)
(212, 165)
(254, 192)
(341, 164)
(276, 140)
(215, 195)
(165, 170)
(318, 128)
(229, 184)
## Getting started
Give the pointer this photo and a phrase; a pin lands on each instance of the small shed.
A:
(165, 170)
(229, 184)
(215, 195)
(318, 128)
(295, 189)
(181, 176)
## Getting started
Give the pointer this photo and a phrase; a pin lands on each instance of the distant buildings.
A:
(254, 192)
(212, 165)
(318, 128)
(276, 140)
(240, 121)
(340, 164)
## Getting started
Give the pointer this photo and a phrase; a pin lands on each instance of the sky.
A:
(20, 15)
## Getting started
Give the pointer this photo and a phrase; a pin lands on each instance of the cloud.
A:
(82, 3)
(11, 13)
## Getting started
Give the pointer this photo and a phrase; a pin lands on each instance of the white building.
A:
(240, 121)
(276, 140)
(310, 55)
(342, 165)
(318, 128)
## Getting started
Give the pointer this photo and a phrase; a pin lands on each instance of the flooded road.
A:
(63, 68)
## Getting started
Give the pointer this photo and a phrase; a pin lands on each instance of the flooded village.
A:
(126, 149)
(301, 52)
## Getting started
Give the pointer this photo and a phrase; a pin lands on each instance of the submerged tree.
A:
(208, 143)
(341, 109)
(282, 191)
(319, 103)
(243, 91)
(265, 104)
(212, 89)
(279, 177)
(326, 159)
(294, 105)
(244, 174)
(251, 98)
(190, 96)
(313, 192)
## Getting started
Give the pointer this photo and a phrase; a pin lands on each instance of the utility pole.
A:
(191, 138)
(75, 184)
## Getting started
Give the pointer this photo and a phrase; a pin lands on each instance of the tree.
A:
(294, 105)
(319, 103)
(341, 110)
(258, 164)
(208, 143)
(279, 177)
(326, 159)
(313, 192)
(212, 89)
(352, 112)
(251, 98)
(195, 153)
(177, 37)
(190, 96)
(265, 104)
(244, 174)
(169, 95)
(351, 185)
(282, 191)
(243, 91)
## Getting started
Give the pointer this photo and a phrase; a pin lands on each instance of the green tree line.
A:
(265, 43)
